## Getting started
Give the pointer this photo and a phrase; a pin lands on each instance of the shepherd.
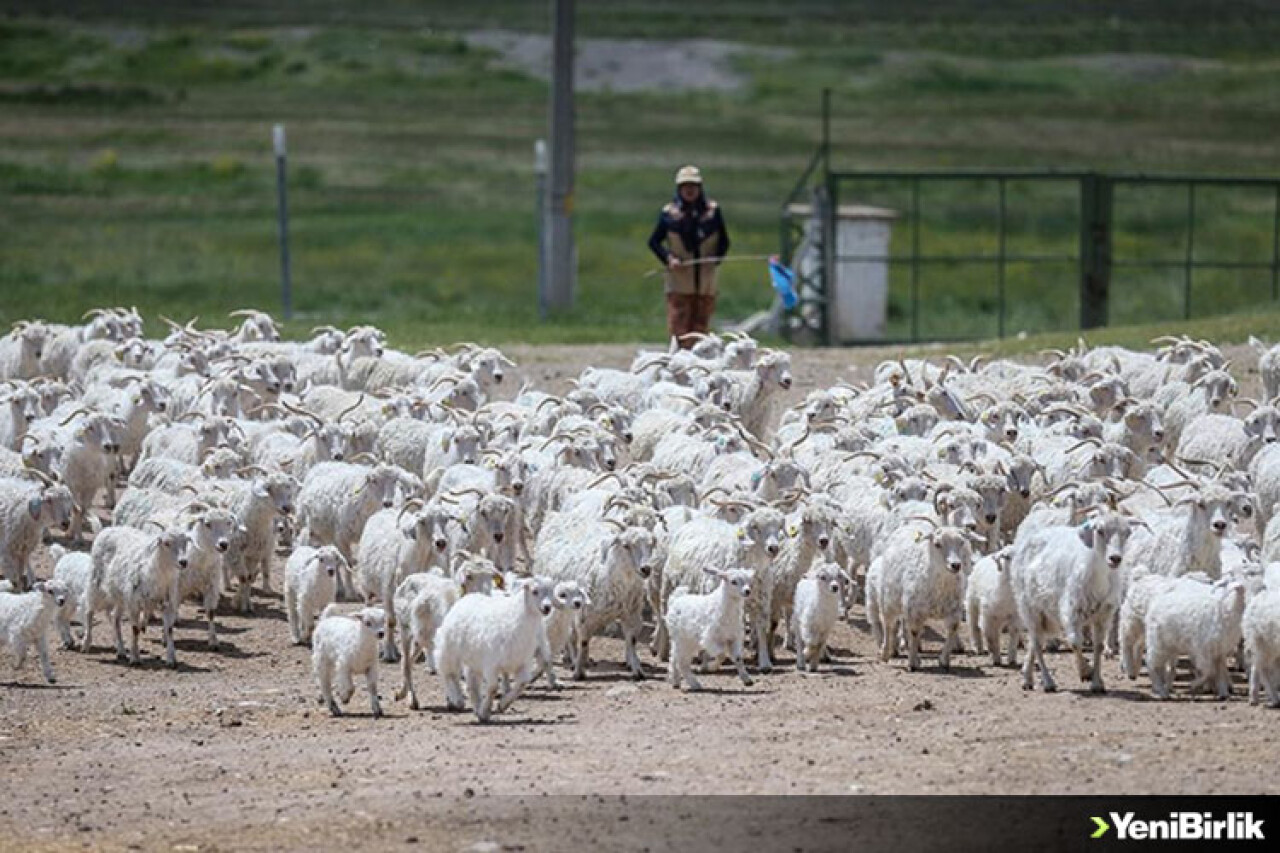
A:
(691, 241)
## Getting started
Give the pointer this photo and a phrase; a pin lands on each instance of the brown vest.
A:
(698, 278)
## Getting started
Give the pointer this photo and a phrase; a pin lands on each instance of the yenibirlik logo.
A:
(1182, 826)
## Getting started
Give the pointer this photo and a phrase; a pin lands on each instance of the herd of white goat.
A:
(1107, 500)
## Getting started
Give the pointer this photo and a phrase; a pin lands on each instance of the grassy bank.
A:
(135, 161)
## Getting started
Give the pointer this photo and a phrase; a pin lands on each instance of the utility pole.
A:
(540, 213)
(562, 257)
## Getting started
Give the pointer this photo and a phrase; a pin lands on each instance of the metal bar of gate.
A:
(915, 259)
(992, 259)
(1200, 265)
(1191, 248)
(1000, 263)
(1275, 249)
(830, 269)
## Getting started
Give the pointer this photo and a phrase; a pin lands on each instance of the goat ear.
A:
(1085, 532)
(33, 506)
(410, 531)
(260, 488)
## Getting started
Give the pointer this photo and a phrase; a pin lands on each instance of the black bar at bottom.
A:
(778, 824)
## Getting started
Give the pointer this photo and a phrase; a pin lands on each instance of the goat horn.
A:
(302, 412)
(349, 409)
(609, 475)
(39, 475)
(69, 418)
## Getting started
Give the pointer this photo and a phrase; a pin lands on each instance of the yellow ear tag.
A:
(919, 535)
(444, 443)
(878, 477)
(793, 531)
(489, 463)
(942, 454)
(741, 534)
(499, 582)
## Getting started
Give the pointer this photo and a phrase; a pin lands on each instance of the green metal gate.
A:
(989, 253)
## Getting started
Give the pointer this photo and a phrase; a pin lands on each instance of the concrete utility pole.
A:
(540, 216)
(562, 257)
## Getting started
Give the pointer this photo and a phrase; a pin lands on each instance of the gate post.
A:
(826, 201)
(1095, 249)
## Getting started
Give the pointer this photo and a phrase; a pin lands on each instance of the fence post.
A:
(825, 201)
(562, 256)
(282, 216)
(540, 206)
(1096, 193)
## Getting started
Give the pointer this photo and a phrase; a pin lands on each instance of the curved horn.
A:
(608, 475)
(73, 416)
(1144, 484)
(302, 412)
(408, 505)
(39, 475)
(445, 378)
(349, 409)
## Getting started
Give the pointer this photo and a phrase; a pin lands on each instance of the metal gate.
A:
(990, 253)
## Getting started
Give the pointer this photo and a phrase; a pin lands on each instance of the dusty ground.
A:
(232, 750)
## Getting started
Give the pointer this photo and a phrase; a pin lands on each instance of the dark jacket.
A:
(690, 230)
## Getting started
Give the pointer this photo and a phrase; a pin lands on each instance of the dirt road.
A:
(232, 751)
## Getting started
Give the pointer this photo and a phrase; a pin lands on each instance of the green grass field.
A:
(135, 161)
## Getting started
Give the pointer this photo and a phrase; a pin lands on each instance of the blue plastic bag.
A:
(784, 282)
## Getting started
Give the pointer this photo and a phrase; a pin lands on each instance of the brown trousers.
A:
(688, 312)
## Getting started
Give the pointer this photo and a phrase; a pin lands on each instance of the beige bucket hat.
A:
(688, 175)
